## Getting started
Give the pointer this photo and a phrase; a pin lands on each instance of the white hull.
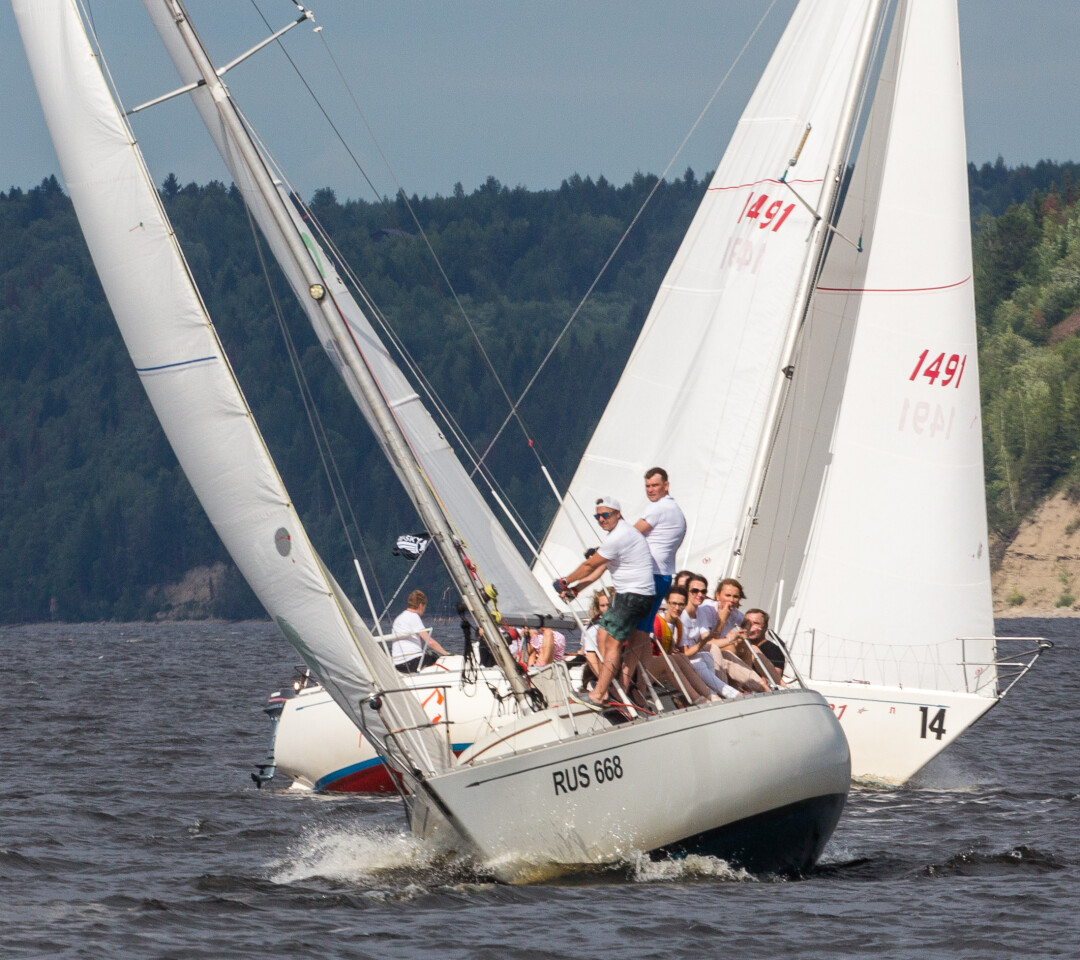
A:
(894, 732)
(320, 748)
(890, 736)
(759, 781)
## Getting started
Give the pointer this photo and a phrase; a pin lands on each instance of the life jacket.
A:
(663, 635)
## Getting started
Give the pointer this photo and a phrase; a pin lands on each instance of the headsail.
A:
(191, 385)
(490, 549)
(696, 392)
(892, 473)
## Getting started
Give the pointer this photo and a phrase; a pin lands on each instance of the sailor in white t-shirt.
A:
(625, 555)
(415, 648)
(699, 622)
(663, 525)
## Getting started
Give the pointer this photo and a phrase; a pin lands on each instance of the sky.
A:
(529, 93)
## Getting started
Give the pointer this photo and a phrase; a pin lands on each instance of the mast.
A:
(811, 269)
(395, 443)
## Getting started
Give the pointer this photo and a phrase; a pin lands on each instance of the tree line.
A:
(96, 512)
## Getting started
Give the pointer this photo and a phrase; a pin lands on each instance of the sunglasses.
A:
(692, 590)
(601, 516)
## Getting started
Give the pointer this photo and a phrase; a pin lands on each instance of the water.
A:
(129, 827)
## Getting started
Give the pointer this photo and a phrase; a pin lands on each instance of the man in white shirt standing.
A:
(415, 648)
(663, 525)
(625, 554)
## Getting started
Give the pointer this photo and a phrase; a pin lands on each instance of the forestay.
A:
(190, 384)
(874, 512)
(695, 395)
(487, 544)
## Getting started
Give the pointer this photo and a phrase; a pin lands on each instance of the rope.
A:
(626, 233)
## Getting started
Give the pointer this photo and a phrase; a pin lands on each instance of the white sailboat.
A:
(822, 424)
(736, 288)
(778, 767)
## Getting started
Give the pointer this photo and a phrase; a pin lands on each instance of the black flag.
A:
(411, 545)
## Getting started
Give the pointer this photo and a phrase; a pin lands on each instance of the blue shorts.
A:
(661, 585)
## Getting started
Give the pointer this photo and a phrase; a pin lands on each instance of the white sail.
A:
(695, 395)
(190, 383)
(487, 544)
(895, 585)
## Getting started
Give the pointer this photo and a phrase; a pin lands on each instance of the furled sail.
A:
(192, 388)
(876, 516)
(696, 392)
(496, 558)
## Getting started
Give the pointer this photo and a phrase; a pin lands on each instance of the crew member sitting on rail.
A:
(415, 648)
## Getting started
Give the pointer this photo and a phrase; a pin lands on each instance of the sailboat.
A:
(822, 424)
(597, 791)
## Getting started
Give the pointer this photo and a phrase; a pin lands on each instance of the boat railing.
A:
(443, 720)
(1008, 669)
(789, 666)
(951, 664)
(553, 681)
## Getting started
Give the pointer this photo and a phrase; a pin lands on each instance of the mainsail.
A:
(192, 388)
(874, 516)
(498, 561)
(696, 393)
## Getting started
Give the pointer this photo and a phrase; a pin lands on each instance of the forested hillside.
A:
(95, 511)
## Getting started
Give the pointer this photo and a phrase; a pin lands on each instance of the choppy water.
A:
(129, 827)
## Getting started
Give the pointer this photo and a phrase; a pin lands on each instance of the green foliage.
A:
(97, 512)
(1027, 271)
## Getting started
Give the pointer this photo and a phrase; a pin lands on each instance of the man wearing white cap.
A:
(625, 555)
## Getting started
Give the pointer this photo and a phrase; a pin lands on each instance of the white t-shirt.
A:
(629, 561)
(411, 647)
(694, 628)
(735, 617)
(589, 640)
(666, 536)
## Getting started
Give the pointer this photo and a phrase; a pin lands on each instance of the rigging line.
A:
(455, 429)
(838, 201)
(452, 426)
(633, 223)
(318, 103)
(88, 18)
(318, 430)
(404, 580)
(438, 263)
(393, 218)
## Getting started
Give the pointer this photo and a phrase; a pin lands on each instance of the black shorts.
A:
(417, 663)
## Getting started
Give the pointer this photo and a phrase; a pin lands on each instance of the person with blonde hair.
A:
(414, 648)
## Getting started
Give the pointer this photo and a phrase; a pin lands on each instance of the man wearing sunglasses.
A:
(625, 555)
